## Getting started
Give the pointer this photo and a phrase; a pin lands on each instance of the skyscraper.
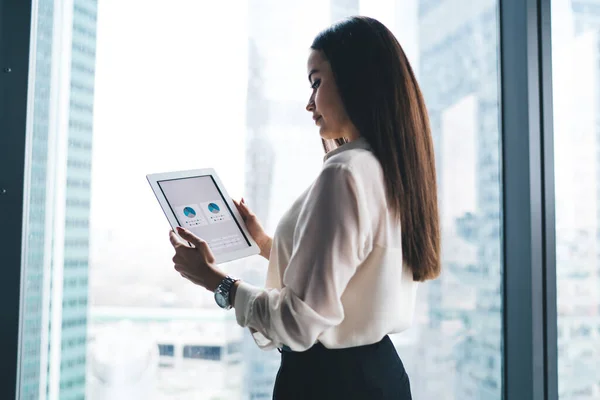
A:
(260, 367)
(458, 71)
(577, 143)
(281, 154)
(56, 296)
(36, 262)
(77, 196)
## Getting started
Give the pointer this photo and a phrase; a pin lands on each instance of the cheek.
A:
(320, 102)
(329, 105)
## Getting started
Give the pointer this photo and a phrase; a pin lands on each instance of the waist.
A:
(286, 348)
(318, 346)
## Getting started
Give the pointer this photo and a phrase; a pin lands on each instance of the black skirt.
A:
(372, 372)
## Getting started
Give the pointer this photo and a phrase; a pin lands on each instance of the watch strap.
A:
(225, 287)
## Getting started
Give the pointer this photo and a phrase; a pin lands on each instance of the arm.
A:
(265, 246)
(332, 239)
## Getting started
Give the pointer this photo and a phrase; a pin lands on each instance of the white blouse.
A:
(335, 272)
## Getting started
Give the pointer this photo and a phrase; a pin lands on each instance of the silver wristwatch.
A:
(223, 291)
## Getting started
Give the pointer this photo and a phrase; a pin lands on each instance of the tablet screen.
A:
(199, 206)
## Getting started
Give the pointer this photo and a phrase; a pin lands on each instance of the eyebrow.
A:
(312, 71)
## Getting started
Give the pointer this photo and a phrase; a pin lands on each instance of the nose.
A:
(310, 107)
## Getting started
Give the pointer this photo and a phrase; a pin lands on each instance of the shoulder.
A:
(361, 164)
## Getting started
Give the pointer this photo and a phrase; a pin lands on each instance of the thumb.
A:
(189, 236)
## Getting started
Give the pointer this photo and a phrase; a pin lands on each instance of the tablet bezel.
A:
(153, 180)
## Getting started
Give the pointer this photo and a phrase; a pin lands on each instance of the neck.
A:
(349, 137)
(352, 135)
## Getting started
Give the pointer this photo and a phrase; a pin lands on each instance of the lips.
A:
(317, 118)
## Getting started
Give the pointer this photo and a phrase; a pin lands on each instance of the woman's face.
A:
(325, 102)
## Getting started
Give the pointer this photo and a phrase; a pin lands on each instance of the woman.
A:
(346, 258)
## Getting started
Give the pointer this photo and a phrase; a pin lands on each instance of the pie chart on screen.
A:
(189, 212)
(213, 208)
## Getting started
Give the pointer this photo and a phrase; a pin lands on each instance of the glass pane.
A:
(457, 336)
(124, 88)
(576, 84)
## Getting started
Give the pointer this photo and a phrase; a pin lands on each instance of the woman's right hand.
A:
(255, 229)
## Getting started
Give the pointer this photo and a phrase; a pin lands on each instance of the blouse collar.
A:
(360, 143)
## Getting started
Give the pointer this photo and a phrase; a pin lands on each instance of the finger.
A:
(190, 237)
(242, 208)
(245, 211)
(185, 276)
(177, 259)
(245, 207)
(181, 269)
(239, 207)
(175, 240)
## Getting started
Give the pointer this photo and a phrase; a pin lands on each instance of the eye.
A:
(316, 84)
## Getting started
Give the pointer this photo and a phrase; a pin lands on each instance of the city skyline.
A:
(99, 259)
(577, 149)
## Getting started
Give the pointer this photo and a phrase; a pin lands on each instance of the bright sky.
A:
(171, 81)
(170, 95)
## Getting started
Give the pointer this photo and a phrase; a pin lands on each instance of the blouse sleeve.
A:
(331, 239)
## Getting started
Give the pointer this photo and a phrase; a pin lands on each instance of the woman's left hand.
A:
(197, 263)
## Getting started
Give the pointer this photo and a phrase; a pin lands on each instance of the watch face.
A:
(221, 300)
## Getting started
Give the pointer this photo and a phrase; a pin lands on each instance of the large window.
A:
(576, 86)
(123, 88)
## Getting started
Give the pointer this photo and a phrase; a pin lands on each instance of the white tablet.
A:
(197, 201)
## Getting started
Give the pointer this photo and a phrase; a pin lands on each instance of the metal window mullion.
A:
(549, 227)
(528, 199)
(15, 30)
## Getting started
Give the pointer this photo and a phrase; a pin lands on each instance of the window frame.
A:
(529, 295)
(529, 243)
(15, 31)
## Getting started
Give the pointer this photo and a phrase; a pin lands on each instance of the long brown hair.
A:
(383, 100)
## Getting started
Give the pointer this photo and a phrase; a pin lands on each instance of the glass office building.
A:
(134, 87)
(56, 272)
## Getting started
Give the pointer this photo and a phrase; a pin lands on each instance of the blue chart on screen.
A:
(213, 208)
(189, 212)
